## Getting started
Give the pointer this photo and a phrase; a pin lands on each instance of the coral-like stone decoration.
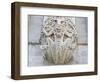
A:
(58, 39)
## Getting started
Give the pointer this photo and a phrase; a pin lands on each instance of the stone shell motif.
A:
(58, 39)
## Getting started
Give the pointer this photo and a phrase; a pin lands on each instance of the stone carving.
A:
(58, 39)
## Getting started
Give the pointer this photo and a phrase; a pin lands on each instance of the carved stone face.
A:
(59, 20)
(60, 24)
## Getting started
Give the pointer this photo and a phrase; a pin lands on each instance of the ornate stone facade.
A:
(58, 39)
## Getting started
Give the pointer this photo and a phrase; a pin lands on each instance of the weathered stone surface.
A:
(35, 54)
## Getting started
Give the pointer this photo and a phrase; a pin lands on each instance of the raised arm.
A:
(47, 33)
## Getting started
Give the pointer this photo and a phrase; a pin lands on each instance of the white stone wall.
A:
(82, 29)
(34, 28)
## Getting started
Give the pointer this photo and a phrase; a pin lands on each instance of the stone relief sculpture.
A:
(58, 39)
